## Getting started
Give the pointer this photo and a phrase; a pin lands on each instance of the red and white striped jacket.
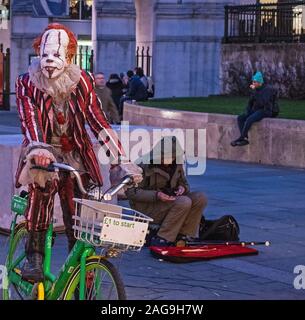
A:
(85, 107)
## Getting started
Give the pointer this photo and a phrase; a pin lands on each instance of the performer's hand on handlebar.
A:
(42, 160)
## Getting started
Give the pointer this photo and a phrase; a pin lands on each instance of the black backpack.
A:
(225, 228)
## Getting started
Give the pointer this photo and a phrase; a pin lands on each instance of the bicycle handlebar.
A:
(56, 167)
(114, 190)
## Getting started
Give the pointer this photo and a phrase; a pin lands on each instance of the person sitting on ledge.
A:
(136, 90)
(165, 195)
(262, 104)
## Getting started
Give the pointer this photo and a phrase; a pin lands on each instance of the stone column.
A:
(115, 25)
(145, 30)
(187, 47)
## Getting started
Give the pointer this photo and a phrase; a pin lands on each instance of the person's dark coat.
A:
(136, 89)
(116, 86)
(262, 99)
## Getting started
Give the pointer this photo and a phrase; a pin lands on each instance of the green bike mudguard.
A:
(18, 204)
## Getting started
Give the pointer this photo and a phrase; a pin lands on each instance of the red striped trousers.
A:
(41, 203)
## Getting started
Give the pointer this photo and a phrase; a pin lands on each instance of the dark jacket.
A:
(136, 89)
(262, 99)
(116, 86)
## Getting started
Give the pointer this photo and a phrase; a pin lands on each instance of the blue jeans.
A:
(246, 120)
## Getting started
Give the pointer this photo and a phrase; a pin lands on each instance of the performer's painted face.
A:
(53, 50)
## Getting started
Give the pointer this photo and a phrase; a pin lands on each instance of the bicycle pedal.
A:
(38, 291)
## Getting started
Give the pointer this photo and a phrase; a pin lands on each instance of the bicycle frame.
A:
(54, 285)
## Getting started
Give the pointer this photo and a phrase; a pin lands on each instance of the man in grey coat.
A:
(104, 94)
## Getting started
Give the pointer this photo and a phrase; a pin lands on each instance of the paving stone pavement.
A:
(9, 122)
(268, 202)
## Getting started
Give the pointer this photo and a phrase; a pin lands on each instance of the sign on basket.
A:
(124, 231)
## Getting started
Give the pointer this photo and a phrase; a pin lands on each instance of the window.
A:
(84, 56)
(4, 14)
(81, 9)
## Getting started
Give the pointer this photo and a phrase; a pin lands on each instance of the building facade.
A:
(183, 36)
(183, 39)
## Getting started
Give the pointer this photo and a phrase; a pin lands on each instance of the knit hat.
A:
(258, 77)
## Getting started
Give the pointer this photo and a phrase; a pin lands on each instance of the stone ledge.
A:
(272, 141)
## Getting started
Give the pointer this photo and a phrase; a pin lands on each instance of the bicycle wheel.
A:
(10, 291)
(103, 282)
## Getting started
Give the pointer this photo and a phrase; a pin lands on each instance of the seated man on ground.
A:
(164, 194)
(261, 105)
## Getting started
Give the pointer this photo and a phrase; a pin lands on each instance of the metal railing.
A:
(276, 22)
(80, 10)
(84, 58)
(4, 78)
(144, 60)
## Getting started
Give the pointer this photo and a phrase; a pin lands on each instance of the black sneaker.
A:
(242, 142)
(160, 242)
(235, 142)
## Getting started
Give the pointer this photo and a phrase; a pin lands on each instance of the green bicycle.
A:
(85, 275)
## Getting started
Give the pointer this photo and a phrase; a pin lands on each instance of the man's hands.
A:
(180, 191)
(42, 160)
(164, 197)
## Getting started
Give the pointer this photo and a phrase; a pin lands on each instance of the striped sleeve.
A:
(29, 115)
(99, 124)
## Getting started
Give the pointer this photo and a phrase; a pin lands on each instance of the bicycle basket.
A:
(107, 225)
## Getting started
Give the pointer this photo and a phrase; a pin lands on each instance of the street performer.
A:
(55, 99)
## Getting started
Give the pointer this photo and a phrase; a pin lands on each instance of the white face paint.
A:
(53, 49)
